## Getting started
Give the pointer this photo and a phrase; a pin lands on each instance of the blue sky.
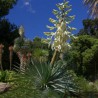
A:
(34, 15)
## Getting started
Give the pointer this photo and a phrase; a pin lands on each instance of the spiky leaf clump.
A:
(54, 77)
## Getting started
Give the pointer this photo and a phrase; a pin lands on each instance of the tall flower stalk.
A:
(59, 39)
(1, 51)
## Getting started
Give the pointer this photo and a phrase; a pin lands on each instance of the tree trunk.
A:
(1, 61)
(11, 53)
(21, 64)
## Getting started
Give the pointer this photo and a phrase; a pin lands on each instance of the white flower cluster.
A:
(61, 36)
(21, 30)
(59, 39)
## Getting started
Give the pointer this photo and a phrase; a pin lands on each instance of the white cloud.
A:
(28, 5)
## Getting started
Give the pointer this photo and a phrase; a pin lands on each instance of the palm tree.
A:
(93, 7)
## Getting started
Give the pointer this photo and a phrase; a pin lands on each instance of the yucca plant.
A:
(22, 48)
(52, 77)
(60, 31)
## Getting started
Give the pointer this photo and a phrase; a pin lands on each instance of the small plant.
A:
(7, 76)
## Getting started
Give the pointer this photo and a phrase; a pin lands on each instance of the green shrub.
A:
(7, 76)
(86, 86)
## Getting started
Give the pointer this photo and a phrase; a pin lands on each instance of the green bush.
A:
(86, 86)
(7, 76)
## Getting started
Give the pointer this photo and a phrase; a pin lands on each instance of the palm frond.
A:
(93, 7)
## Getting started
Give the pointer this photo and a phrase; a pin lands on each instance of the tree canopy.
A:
(8, 31)
(84, 53)
(5, 6)
(90, 27)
